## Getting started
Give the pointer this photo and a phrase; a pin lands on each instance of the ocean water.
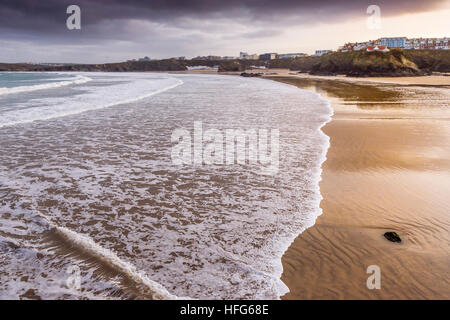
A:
(92, 206)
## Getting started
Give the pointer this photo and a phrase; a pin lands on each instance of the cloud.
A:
(173, 27)
(48, 16)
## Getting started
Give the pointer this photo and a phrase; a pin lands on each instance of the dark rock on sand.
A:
(392, 236)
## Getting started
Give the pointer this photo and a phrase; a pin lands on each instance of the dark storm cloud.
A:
(35, 30)
(47, 16)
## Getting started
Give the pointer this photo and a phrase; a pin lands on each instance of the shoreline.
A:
(376, 178)
(386, 168)
(429, 80)
(437, 79)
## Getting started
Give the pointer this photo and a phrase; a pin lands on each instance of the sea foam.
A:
(131, 90)
(79, 79)
(106, 177)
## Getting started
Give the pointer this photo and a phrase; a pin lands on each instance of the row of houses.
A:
(208, 58)
(381, 44)
(399, 42)
(321, 52)
(428, 43)
(144, 59)
(264, 56)
(242, 56)
(270, 56)
(417, 43)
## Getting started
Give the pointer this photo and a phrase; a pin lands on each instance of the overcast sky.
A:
(111, 31)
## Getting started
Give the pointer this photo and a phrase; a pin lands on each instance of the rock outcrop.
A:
(366, 64)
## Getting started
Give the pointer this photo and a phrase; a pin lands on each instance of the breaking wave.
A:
(79, 79)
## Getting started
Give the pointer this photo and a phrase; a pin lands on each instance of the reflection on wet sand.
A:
(374, 96)
(387, 169)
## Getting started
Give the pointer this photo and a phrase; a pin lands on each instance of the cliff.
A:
(357, 63)
(430, 60)
(361, 63)
(129, 66)
(302, 64)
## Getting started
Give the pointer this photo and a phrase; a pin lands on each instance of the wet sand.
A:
(387, 169)
(437, 79)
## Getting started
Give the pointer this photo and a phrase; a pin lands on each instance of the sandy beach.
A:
(438, 79)
(90, 189)
(387, 169)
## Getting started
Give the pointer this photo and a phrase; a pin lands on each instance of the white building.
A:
(394, 42)
(409, 44)
(268, 56)
(290, 55)
(243, 55)
(360, 46)
(321, 52)
(246, 56)
(442, 43)
(377, 48)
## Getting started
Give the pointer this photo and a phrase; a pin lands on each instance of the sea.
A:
(93, 205)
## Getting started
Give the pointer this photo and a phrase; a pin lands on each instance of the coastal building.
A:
(377, 48)
(321, 52)
(214, 58)
(349, 46)
(400, 42)
(360, 46)
(396, 42)
(442, 43)
(409, 44)
(258, 67)
(427, 43)
(243, 55)
(229, 58)
(291, 55)
(246, 56)
(48, 64)
(210, 58)
(253, 57)
(357, 46)
(202, 68)
(268, 56)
